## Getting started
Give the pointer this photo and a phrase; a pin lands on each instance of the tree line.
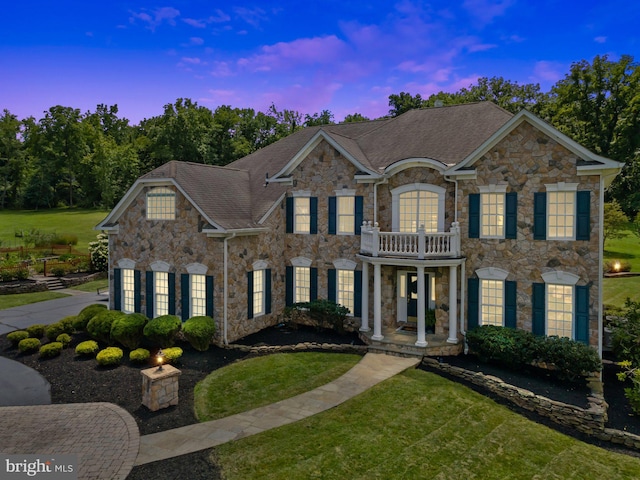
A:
(73, 159)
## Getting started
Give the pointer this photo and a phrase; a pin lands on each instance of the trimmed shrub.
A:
(199, 331)
(139, 355)
(171, 354)
(22, 274)
(626, 332)
(64, 339)
(52, 331)
(128, 330)
(29, 345)
(162, 331)
(86, 314)
(99, 327)
(323, 313)
(16, 337)
(517, 348)
(67, 323)
(109, 356)
(51, 350)
(87, 348)
(36, 330)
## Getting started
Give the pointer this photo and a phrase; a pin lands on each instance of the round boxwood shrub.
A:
(139, 355)
(50, 350)
(99, 327)
(86, 314)
(199, 332)
(87, 348)
(52, 331)
(36, 330)
(128, 330)
(109, 356)
(17, 336)
(64, 339)
(29, 345)
(162, 330)
(171, 354)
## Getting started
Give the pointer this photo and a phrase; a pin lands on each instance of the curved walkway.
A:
(103, 436)
(371, 370)
(22, 385)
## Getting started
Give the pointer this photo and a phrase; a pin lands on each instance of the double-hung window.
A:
(258, 293)
(492, 299)
(161, 204)
(345, 286)
(198, 290)
(560, 310)
(301, 281)
(128, 290)
(493, 212)
(301, 284)
(345, 213)
(161, 293)
(562, 212)
(302, 213)
(259, 290)
(492, 302)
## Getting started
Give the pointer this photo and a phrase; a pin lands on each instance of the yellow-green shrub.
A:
(50, 350)
(109, 356)
(87, 348)
(17, 336)
(29, 345)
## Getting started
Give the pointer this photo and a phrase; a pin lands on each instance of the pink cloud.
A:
(485, 11)
(600, 39)
(252, 16)
(157, 17)
(547, 72)
(218, 17)
(221, 69)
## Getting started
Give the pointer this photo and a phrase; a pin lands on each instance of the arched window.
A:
(161, 204)
(418, 204)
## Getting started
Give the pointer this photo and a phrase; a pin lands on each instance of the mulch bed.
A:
(75, 380)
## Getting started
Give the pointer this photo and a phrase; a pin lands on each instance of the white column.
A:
(364, 326)
(377, 303)
(453, 304)
(421, 342)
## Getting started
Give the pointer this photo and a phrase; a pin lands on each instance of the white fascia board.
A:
(272, 208)
(306, 150)
(238, 232)
(516, 120)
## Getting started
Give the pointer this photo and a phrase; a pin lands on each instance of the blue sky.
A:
(340, 55)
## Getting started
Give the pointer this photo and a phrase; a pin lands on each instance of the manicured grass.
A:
(418, 425)
(93, 286)
(260, 381)
(616, 290)
(79, 222)
(19, 299)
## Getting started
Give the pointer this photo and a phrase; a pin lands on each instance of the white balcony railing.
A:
(418, 245)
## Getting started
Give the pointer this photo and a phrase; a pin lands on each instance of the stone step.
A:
(54, 283)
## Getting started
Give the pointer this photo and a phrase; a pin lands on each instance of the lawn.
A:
(280, 376)
(617, 290)
(79, 222)
(19, 299)
(418, 425)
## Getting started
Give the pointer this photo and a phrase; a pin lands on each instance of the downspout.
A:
(226, 290)
(375, 198)
(600, 267)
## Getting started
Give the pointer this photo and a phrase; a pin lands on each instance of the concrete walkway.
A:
(371, 370)
(22, 385)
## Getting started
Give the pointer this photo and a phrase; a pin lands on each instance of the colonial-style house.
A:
(466, 214)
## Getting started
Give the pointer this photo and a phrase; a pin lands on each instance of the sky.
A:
(338, 55)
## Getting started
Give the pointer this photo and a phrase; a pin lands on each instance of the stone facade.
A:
(160, 387)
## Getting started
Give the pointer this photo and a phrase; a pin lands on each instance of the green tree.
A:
(12, 162)
(323, 118)
(403, 102)
(355, 117)
(615, 221)
(598, 105)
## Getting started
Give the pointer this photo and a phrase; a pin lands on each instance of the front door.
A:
(412, 295)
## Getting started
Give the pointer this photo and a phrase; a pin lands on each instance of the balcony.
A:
(419, 245)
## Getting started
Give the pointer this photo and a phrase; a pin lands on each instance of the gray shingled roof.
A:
(235, 196)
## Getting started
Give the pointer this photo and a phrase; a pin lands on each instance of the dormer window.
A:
(161, 204)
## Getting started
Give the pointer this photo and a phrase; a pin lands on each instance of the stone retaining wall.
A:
(28, 286)
(266, 349)
(590, 421)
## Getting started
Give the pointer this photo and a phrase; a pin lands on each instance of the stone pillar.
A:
(364, 321)
(422, 341)
(160, 387)
(453, 304)
(377, 303)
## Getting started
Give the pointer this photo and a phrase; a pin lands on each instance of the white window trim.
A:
(492, 273)
(260, 265)
(493, 188)
(160, 266)
(301, 262)
(562, 187)
(352, 214)
(425, 187)
(301, 193)
(345, 192)
(127, 263)
(196, 269)
(353, 292)
(344, 264)
(500, 188)
(156, 294)
(191, 296)
(559, 277)
(146, 201)
(123, 291)
(259, 310)
(481, 304)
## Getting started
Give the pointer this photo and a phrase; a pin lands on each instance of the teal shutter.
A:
(331, 282)
(267, 290)
(357, 293)
(250, 294)
(185, 294)
(511, 215)
(314, 284)
(582, 313)
(149, 294)
(137, 293)
(117, 289)
(332, 215)
(474, 215)
(359, 213)
(313, 206)
(288, 294)
(209, 293)
(289, 214)
(473, 310)
(540, 216)
(539, 308)
(510, 304)
(172, 293)
(583, 215)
